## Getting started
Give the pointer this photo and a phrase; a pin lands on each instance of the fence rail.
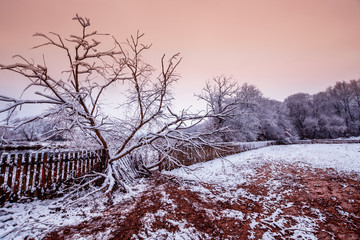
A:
(37, 174)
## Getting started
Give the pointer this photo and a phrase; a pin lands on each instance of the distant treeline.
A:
(332, 113)
(329, 114)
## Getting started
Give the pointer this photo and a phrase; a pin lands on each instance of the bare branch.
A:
(75, 104)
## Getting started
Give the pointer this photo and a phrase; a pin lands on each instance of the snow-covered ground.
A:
(341, 157)
(242, 169)
(36, 218)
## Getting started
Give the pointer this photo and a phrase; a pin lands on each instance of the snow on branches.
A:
(146, 119)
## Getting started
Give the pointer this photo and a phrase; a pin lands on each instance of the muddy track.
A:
(282, 200)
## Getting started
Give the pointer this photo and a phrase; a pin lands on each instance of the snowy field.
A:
(274, 187)
(261, 180)
(341, 157)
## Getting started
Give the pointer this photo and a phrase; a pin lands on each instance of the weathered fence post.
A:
(3, 187)
(16, 177)
(49, 172)
(43, 173)
(32, 172)
(25, 178)
(10, 162)
(56, 170)
(38, 173)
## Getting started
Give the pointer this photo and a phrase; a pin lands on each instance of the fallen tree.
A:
(144, 98)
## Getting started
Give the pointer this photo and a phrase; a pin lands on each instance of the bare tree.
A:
(147, 119)
(355, 86)
(342, 97)
(299, 108)
(219, 94)
(220, 97)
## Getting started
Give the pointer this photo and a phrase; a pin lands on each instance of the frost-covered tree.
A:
(76, 98)
(246, 121)
(260, 118)
(251, 116)
(344, 98)
(33, 131)
(329, 124)
(355, 88)
(299, 108)
(321, 115)
(248, 96)
(274, 124)
(220, 97)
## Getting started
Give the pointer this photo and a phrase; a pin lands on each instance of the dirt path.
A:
(280, 202)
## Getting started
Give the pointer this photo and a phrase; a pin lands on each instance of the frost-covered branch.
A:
(75, 100)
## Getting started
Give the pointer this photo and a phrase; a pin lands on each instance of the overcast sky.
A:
(281, 46)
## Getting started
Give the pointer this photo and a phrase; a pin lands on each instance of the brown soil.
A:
(329, 199)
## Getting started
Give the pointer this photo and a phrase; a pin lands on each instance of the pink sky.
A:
(281, 46)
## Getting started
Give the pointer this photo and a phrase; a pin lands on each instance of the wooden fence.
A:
(40, 173)
(186, 156)
(328, 141)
